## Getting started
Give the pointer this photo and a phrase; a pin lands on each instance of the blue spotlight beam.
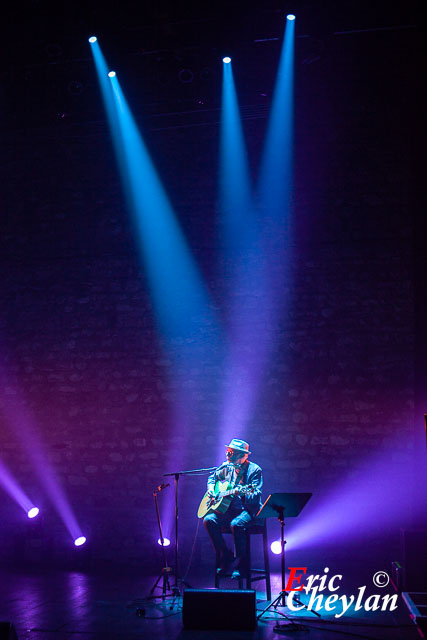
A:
(107, 96)
(275, 185)
(276, 167)
(181, 299)
(264, 258)
(244, 276)
(234, 177)
(182, 304)
(184, 312)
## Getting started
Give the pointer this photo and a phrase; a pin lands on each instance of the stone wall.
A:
(83, 366)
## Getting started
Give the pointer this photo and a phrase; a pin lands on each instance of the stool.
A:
(258, 526)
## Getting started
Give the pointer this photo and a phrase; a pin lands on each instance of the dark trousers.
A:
(238, 522)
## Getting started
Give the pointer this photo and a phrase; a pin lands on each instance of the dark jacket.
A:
(252, 474)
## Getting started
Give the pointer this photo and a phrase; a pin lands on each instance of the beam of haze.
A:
(235, 190)
(275, 185)
(23, 424)
(274, 209)
(10, 485)
(243, 275)
(181, 300)
(183, 308)
(275, 182)
(107, 97)
(373, 496)
(184, 312)
(256, 241)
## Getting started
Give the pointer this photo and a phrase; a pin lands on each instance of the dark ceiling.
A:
(168, 52)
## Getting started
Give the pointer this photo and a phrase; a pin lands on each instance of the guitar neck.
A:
(224, 494)
(229, 492)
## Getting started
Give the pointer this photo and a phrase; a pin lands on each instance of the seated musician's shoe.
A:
(241, 570)
(227, 559)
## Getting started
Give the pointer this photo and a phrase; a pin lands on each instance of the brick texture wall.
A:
(81, 356)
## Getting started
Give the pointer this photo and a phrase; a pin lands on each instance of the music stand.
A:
(279, 505)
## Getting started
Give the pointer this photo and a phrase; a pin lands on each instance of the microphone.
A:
(163, 486)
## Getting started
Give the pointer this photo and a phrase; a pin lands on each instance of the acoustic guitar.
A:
(224, 494)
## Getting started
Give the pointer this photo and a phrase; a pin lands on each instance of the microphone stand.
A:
(164, 574)
(176, 589)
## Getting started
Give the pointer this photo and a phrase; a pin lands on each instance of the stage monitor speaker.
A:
(414, 548)
(7, 631)
(231, 609)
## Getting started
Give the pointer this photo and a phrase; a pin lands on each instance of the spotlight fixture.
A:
(33, 512)
(79, 541)
(185, 76)
(166, 542)
(276, 547)
(226, 60)
(290, 16)
(92, 39)
(111, 74)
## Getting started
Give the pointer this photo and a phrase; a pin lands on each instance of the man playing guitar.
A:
(245, 480)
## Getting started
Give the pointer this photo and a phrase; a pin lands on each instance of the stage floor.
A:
(68, 605)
